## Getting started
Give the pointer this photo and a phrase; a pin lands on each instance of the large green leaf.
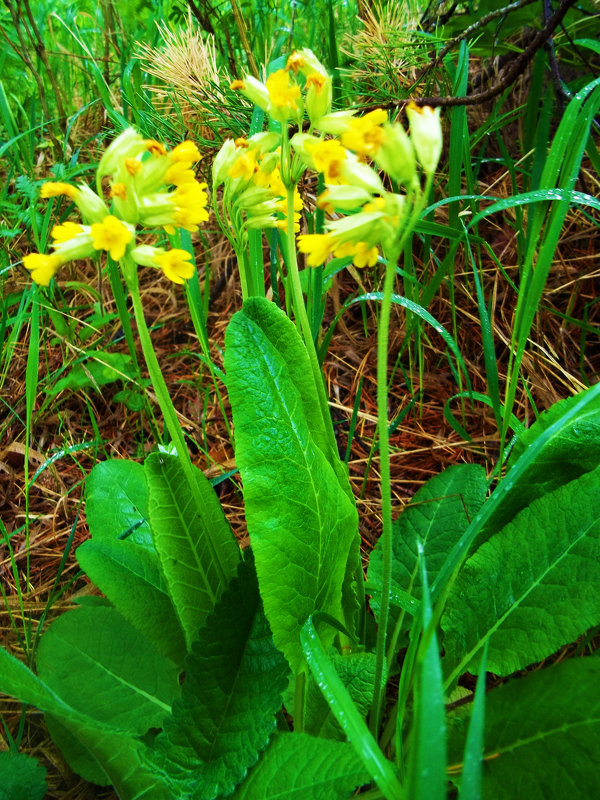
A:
(298, 767)
(130, 576)
(109, 757)
(117, 502)
(196, 547)
(282, 334)
(542, 734)
(302, 524)
(119, 755)
(234, 679)
(573, 450)
(21, 777)
(532, 587)
(17, 680)
(99, 664)
(435, 519)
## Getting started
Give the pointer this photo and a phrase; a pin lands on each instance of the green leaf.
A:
(573, 450)
(437, 516)
(195, 545)
(302, 524)
(21, 777)
(470, 782)
(77, 754)
(281, 333)
(19, 681)
(542, 734)
(117, 502)
(234, 680)
(99, 369)
(130, 576)
(298, 767)
(109, 757)
(532, 587)
(103, 667)
(427, 762)
(357, 673)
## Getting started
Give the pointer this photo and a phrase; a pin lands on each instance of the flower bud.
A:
(254, 90)
(359, 174)
(128, 144)
(223, 162)
(335, 123)
(343, 198)
(426, 134)
(318, 95)
(396, 155)
(92, 207)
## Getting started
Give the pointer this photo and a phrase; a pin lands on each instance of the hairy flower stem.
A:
(302, 318)
(419, 198)
(165, 402)
(386, 490)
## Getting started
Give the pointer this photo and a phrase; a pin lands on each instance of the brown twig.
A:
(512, 73)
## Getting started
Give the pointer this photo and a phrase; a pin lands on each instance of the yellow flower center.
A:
(155, 148)
(295, 62)
(133, 166)
(237, 85)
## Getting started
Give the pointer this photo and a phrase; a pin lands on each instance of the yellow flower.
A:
(58, 190)
(295, 62)
(42, 267)
(237, 85)
(133, 166)
(317, 81)
(155, 148)
(185, 152)
(179, 173)
(364, 134)
(245, 165)
(190, 205)
(328, 157)
(111, 235)
(118, 190)
(175, 264)
(65, 232)
(282, 93)
(317, 247)
(362, 255)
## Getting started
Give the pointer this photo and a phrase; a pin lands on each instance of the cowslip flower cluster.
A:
(357, 146)
(254, 195)
(353, 186)
(148, 187)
